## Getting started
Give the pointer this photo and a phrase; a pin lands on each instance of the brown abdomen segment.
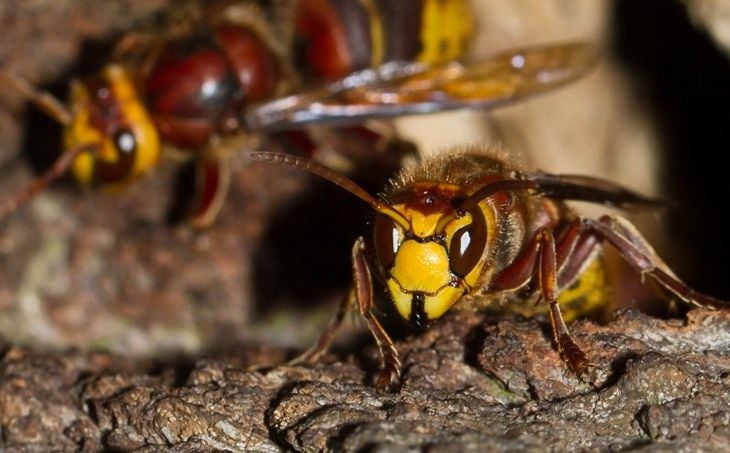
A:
(336, 37)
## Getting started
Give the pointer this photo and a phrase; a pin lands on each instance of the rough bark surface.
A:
(470, 383)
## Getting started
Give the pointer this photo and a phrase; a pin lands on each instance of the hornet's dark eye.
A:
(108, 172)
(125, 141)
(387, 239)
(467, 245)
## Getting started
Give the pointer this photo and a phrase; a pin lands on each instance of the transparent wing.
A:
(409, 88)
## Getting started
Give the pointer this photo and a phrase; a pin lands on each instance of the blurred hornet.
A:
(223, 77)
(469, 224)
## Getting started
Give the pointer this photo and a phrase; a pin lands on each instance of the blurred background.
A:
(85, 269)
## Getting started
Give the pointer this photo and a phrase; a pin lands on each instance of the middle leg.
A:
(541, 262)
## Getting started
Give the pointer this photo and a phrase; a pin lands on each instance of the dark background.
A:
(684, 79)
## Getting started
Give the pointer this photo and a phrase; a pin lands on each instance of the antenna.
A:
(342, 181)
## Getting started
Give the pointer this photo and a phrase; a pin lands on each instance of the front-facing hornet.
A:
(220, 79)
(469, 224)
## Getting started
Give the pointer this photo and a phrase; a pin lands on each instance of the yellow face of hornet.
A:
(109, 114)
(431, 253)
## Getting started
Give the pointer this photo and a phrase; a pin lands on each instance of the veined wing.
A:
(399, 88)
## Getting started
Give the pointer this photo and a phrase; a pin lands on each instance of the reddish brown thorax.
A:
(200, 85)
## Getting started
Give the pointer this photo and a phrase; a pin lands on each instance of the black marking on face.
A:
(419, 319)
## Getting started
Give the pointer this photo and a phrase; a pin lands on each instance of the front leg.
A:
(317, 350)
(362, 292)
(212, 181)
(390, 375)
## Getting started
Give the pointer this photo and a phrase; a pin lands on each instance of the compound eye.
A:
(387, 239)
(110, 172)
(125, 141)
(467, 245)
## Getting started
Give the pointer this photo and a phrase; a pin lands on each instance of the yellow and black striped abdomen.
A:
(446, 27)
(336, 37)
(589, 294)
